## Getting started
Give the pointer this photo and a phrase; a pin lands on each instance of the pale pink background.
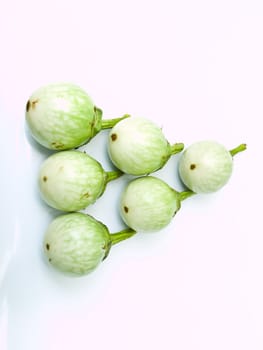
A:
(193, 67)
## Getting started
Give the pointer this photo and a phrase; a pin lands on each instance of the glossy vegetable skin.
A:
(77, 243)
(206, 166)
(72, 180)
(137, 146)
(148, 204)
(62, 116)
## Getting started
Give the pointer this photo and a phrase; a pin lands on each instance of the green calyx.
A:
(99, 124)
(171, 150)
(96, 122)
(108, 177)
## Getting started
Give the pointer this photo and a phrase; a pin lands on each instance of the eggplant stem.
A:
(238, 149)
(185, 194)
(112, 175)
(109, 123)
(177, 148)
(122, 235)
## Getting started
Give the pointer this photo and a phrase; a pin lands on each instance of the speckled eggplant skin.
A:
(62, 116)
(148, 204)
(205, 166)
(71, 180)
(137, 146)
(76, 243)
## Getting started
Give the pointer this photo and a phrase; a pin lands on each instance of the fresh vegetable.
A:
(137, 146)
(76, 243)
(206, 166)
(148, 203)
(62, 116)
(71, 180)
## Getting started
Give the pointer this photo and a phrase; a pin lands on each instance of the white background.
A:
(193, 67)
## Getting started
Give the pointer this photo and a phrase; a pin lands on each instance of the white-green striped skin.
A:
(137, 146)
(148, 204)
(205, 166)
(71, 180)
(62, 116)
(76, 243)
